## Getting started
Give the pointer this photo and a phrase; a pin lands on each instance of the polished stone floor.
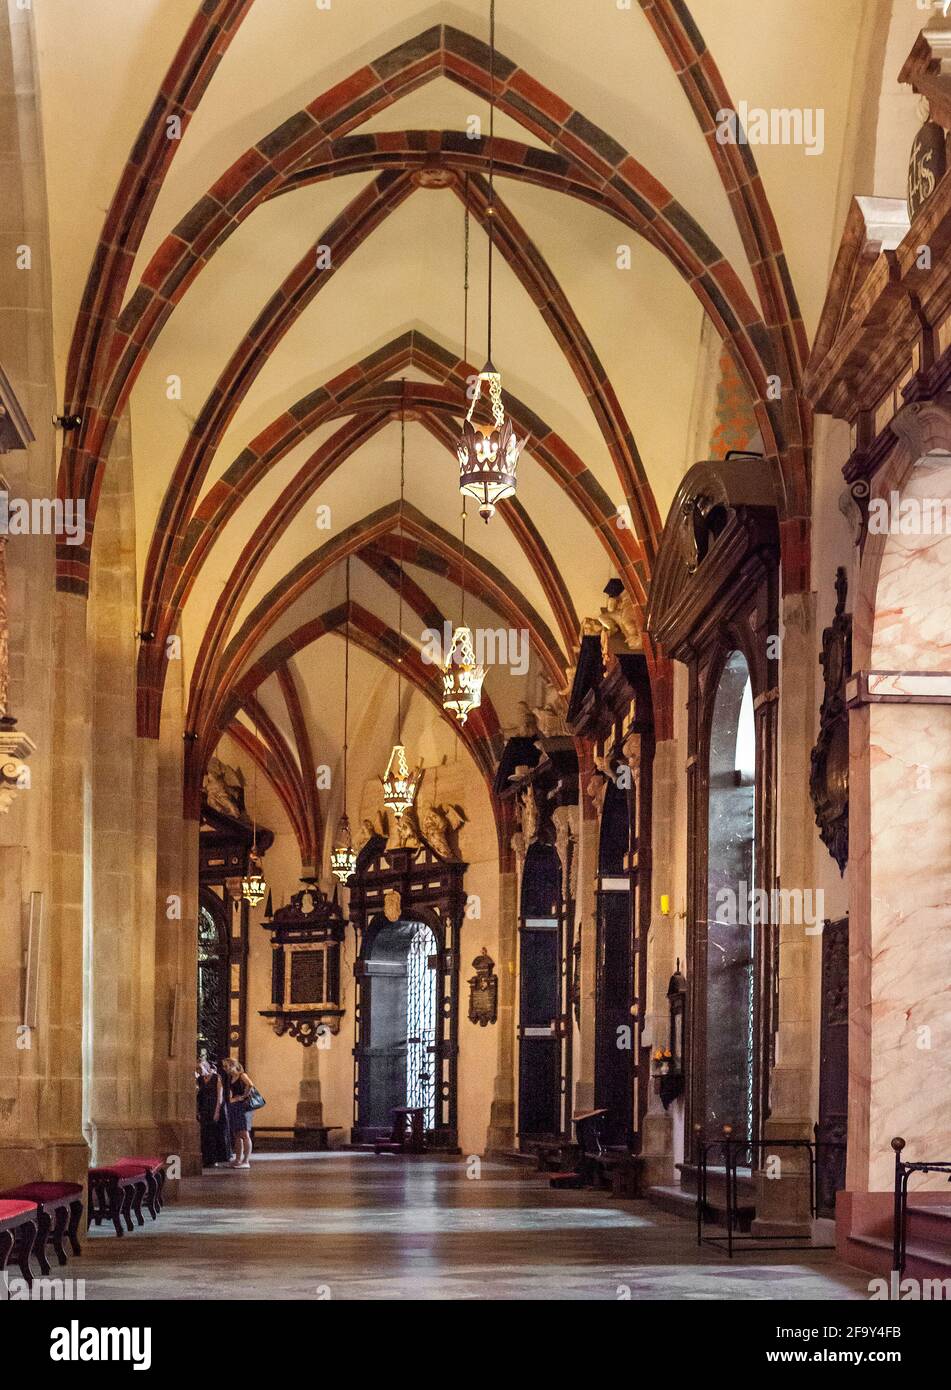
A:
(354, 1226)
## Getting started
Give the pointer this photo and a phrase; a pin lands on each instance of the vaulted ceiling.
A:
(267, 294)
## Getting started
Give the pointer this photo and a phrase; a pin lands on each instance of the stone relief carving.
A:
(597, 789)
(566, 843)
(441, 826)
(550, 715)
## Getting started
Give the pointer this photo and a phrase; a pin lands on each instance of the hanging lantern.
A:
(254, 884)
(462, 678)
(488, 454)
(399, 784)
(343, 860)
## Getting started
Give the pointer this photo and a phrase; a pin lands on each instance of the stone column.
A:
(62, 1103)
(501, 1132)
(782, 1201)
(310, 1108)
(40, 1082)
(119, 949)
(657, 1145)
(175, 915)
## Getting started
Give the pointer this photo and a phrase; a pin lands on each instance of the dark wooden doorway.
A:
(387, 1054)
(833, 1126)
(398, 1039)
(542, 976)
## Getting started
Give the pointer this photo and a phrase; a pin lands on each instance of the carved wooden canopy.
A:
(722, 519)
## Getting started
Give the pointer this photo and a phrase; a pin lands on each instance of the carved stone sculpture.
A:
(224, 789)
(440, 824)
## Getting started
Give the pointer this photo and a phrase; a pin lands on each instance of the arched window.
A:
(731, 918)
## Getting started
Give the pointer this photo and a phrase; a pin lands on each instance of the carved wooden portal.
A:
(714, 606)
(224, 844)
(392, 890)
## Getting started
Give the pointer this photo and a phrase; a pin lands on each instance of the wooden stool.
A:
(116, 1191)
(18, 1227)
(59, 1212)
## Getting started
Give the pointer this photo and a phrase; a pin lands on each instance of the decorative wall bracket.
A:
(15, 749)
(483, 991)
(829, 774)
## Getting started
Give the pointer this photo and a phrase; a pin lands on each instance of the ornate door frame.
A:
(716, 591)
(410, 885)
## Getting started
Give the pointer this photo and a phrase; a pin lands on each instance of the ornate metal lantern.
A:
(488, 454)
(399, 784)
(343, 859)
(254, 884)
(462, 678)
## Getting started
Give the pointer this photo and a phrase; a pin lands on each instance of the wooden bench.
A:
(19, 1222)
(117, 1191)
(305, 1138)
(59, 1214)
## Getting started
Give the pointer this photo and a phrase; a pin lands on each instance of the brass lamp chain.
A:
(254, 794)
(346, 690)
(465, 358)
(399, 658)
(491, 204)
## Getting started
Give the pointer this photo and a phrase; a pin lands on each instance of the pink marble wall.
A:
(909, 865)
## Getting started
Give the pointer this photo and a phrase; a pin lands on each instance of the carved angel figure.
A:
(224, 788)
(438, 824)
(619, 618)
(408, 830)
(550, 716)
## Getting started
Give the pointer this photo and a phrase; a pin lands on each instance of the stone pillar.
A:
(782, 1202)
(62, 1107)
(119, 951)
(40, 1081)
(501, 1132)
(310, 1108)
(175, 915)
(657, 1144)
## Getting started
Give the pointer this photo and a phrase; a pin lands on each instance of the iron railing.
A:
(733, 1151)
(903, 1172)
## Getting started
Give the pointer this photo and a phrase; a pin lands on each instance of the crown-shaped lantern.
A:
(254, 884)
(343, 859)
(462, 678)
(488, 454)
(399, 784)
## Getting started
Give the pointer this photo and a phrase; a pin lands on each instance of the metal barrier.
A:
(733, 1149)
(903, 1172)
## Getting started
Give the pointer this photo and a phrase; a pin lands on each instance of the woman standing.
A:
(212, 1115)
(240, 1087)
